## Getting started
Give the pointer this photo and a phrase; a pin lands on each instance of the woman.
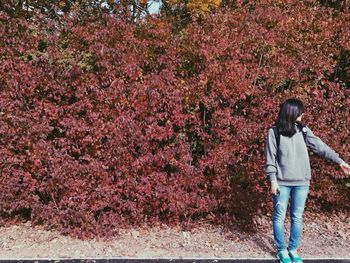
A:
(288, 169)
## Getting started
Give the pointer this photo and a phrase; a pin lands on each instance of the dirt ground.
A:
(323, 236)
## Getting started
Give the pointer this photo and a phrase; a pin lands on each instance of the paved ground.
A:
(326, 238)
(126, 260)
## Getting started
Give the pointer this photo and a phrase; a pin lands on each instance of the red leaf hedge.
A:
(107, 124)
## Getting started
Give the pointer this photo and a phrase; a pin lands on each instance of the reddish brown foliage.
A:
(110, 124)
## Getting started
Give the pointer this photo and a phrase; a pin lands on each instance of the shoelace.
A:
(285, 253)
(294, 253)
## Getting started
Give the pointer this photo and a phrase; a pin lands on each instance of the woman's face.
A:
(299, 118)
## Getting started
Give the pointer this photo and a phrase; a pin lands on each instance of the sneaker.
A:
(283, 256)
(294, 256)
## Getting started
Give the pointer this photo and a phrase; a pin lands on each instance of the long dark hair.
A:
(289, 111)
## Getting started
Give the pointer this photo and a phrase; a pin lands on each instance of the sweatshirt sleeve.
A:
(321, 148)
(270, 151)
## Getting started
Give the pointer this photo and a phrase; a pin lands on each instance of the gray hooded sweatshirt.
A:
(293, 167)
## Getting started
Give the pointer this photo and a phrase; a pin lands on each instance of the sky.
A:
(154, 6)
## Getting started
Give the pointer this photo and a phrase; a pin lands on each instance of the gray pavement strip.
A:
(168, 260)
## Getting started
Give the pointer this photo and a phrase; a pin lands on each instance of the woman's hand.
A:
(275, 187)
(345, 167)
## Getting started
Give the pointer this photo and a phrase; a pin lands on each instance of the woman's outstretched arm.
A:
(323, 150)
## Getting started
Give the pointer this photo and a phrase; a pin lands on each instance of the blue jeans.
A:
(298, 196)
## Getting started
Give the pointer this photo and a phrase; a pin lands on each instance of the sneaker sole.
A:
(280, 261)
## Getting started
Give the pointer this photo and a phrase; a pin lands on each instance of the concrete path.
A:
(170, 260)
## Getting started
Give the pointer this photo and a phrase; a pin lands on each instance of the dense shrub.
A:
(109, 124)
